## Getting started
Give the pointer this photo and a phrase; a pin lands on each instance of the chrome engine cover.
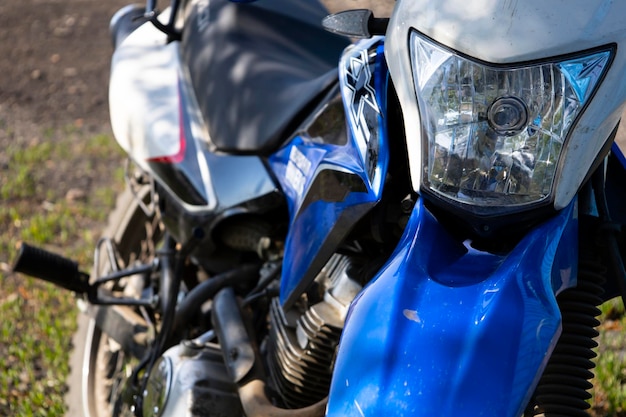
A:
(190, 380)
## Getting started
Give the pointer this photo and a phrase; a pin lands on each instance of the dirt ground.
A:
(54, 61)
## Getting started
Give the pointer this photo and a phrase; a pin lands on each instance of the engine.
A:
(192, 378)
(303, 340)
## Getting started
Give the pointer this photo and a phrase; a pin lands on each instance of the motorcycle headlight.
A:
(494, 134)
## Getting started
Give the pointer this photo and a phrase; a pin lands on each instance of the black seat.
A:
(257, 68)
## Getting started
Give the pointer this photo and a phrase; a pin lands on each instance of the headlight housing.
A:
(493, 135)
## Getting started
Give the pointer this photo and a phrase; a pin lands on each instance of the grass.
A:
(610, 381)
(37, 206)
(39, 321)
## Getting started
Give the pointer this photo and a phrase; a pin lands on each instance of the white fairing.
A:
(512, 31)
(144, 96)
(145, 91)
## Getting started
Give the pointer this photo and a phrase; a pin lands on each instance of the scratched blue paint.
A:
(445, 330)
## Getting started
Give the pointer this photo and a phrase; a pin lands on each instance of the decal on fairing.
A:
(182, 171)
(298, 168)
(359, 92)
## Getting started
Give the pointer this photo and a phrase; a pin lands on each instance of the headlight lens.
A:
(494, 134)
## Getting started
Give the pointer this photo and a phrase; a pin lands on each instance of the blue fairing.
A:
(329, 186)
(615, 149)
(445, 330)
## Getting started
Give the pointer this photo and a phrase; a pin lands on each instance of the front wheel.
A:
(99, 367)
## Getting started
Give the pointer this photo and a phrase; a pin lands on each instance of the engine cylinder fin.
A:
(290, 353)
(302, 343)
(300, 375)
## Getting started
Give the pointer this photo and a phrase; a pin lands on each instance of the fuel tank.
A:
(258, 70)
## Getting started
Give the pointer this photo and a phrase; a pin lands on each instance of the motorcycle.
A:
(422, 222)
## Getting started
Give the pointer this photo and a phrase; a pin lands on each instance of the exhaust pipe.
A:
(241, 362)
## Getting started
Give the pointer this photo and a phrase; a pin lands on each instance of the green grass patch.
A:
(19, 179)
(610, 381)
(38, 319)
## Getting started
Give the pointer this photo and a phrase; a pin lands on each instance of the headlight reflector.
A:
(494, 134)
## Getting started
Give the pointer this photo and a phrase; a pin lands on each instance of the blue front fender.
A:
(445, 330)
